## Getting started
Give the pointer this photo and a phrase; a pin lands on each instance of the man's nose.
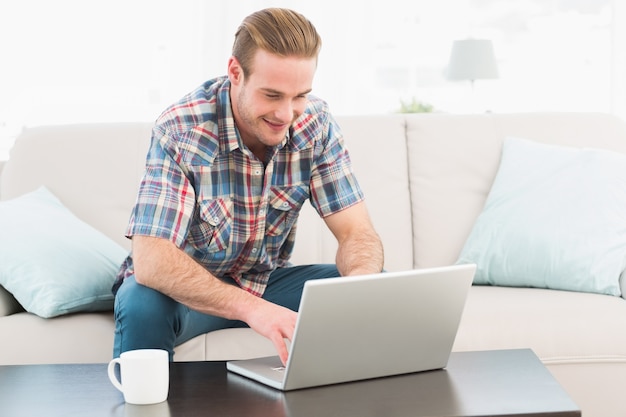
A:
(285, 111)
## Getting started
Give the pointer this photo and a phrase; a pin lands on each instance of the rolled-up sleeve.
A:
(334, 186)
(166, 198)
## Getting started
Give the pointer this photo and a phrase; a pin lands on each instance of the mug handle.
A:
(111, 370)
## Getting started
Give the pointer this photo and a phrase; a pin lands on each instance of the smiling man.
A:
(229, 167)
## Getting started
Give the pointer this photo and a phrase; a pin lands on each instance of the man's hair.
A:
(278, 31)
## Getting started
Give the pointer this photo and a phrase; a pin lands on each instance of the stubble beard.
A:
(256, 126)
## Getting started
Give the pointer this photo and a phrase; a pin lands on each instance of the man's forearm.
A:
(162, 266)
(360, 254)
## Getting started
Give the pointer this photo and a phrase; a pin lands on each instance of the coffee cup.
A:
(144, 375)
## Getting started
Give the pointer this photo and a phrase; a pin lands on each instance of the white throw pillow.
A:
(555, 218)
(52, 262)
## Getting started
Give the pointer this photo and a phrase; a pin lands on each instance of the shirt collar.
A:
(230, 139)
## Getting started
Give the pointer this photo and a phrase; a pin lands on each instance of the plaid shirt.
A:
(208, 194)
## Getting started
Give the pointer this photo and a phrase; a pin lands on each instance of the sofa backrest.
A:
(453, 160)
(425, 176)
(377, 146)
(94, 169)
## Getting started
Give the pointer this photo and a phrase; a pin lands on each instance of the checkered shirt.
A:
(207, 193)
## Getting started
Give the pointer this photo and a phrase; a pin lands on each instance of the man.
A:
(229, 167)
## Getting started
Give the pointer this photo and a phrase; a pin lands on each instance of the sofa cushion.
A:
(52, 262)
(225, 344)
(554, 218)
(93, 168)
(72, 338)
(453, 160)
(559, 326)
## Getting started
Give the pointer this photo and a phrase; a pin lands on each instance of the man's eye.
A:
(272, 96)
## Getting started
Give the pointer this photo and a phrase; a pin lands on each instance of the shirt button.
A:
(254, 250)
(257, 172)
(262, 212)
(285, 204)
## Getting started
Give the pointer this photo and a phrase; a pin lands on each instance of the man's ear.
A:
(235, 72)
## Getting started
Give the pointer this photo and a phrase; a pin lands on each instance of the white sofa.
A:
(426, 178)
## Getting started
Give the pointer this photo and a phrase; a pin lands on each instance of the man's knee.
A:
(144, 318)
(139, 303)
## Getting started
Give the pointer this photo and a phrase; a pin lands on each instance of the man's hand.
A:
(164, 267)
(275, 322)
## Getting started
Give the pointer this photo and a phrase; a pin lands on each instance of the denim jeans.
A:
(146, 318)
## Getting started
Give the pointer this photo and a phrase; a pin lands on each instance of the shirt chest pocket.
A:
(212, 228)
(284, 205)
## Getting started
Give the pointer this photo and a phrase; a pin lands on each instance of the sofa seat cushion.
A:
(559, 326)
(225, 344)
(74, 338)
(88, 338)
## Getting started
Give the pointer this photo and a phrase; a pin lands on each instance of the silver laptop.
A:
(369, 326)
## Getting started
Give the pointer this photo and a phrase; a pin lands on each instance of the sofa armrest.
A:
(2, 163)
(8, 303)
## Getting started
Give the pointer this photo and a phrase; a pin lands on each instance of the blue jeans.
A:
(146, 318)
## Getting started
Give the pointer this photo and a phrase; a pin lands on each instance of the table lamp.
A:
(472, 59)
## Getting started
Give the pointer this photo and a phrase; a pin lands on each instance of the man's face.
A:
(266, 103)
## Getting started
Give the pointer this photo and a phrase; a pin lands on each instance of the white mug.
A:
(145, 375)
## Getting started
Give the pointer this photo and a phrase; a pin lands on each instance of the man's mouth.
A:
(275, 125)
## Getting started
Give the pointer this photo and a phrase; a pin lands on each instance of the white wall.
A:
(68, 61)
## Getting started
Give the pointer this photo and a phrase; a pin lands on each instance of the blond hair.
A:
(279, 31)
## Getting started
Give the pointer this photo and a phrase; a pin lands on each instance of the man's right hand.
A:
(275, 322)
(160, 265)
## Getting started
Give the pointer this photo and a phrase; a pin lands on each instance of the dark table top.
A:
(489, 383)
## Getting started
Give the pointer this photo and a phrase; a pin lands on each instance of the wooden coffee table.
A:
(489, 383)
